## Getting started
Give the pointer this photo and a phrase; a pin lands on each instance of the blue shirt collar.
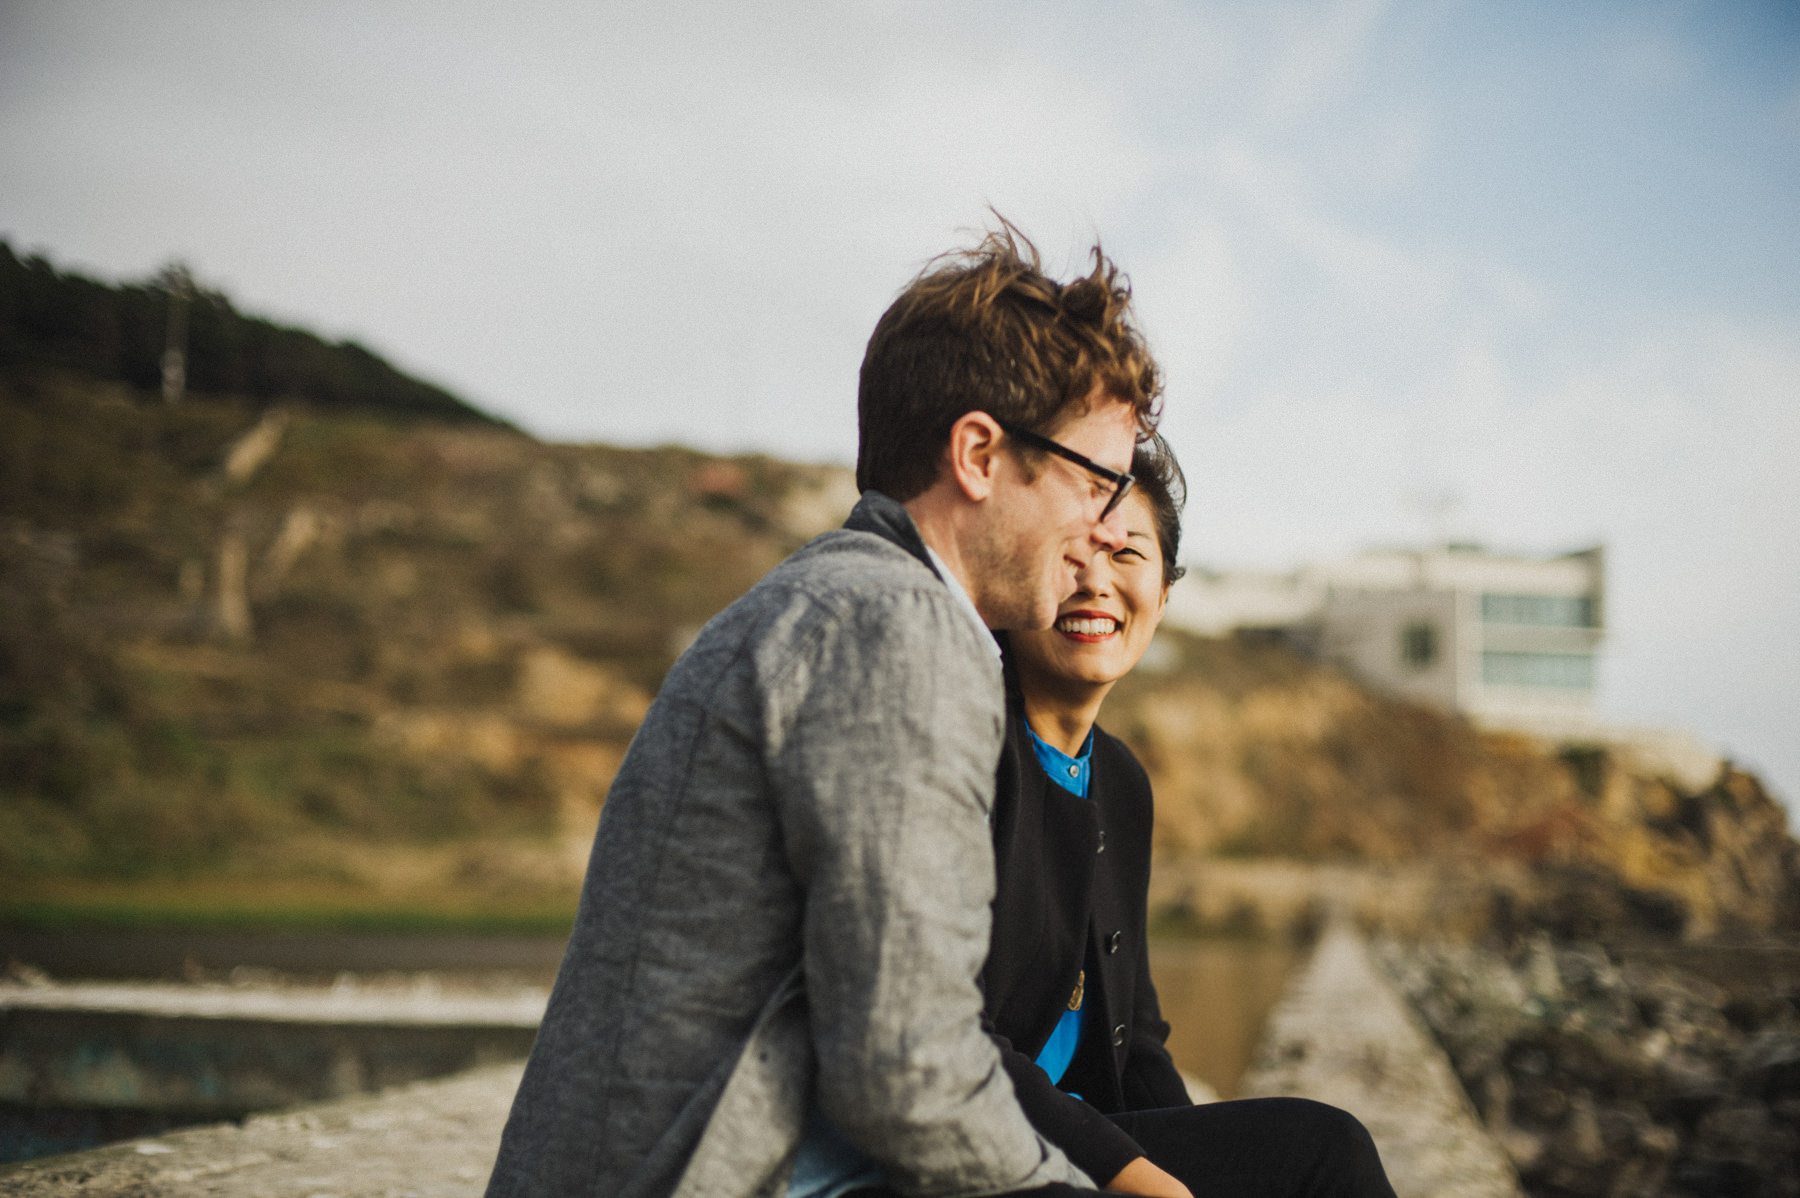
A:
(1070, 773)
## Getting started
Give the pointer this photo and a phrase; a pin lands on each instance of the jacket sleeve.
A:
(1095, 1143)
(882, 739)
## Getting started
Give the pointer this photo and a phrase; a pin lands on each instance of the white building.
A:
(1511, 641)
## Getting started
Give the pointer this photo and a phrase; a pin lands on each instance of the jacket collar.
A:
(885, 517)
(888, 519)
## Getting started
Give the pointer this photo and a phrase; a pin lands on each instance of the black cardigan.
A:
(1073, 882)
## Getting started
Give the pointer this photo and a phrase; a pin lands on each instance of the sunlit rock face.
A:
(1257, 753)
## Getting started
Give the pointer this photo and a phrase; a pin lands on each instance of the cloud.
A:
(1674, 447)
(1316, 52)
(1382, 246)
(601, 224)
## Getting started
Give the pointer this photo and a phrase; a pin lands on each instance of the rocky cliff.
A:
(1257, 753)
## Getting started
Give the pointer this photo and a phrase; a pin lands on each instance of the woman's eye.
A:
(1128, 552)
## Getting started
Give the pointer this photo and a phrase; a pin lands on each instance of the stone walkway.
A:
(1343, 1035)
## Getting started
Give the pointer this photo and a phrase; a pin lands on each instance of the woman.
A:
(1067, 980)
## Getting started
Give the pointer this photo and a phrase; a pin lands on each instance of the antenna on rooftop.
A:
(1437, 507)
(178, 284)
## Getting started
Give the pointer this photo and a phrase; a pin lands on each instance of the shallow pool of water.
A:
(1217, 995)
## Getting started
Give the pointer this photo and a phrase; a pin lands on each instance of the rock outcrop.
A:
(1602, 1078)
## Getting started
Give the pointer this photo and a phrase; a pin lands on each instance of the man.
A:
(771, 985)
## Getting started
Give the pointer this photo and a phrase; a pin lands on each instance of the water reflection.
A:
(1216, 995)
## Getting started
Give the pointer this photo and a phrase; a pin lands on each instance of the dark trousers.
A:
(1256, 1147)
(1251, 1148)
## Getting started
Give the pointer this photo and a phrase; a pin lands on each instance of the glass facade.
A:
(1562, 611)
(1570, 671)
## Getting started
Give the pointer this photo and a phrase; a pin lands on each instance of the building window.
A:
(1418, 645)
(1569, 671)
(1562, 611)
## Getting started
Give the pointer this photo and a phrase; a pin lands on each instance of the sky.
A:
(1526, 273)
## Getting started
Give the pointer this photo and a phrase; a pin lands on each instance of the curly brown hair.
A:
(985, 330)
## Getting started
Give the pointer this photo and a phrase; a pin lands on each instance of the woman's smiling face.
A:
(1105, 626)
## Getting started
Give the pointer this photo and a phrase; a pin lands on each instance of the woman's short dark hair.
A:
(985, 330)
(1160, 480)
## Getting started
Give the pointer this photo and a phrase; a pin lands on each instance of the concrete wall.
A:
(226, 1067)
(1343, 1035)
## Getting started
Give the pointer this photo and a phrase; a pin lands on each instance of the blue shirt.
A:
(828, 1165)
(1070, 773)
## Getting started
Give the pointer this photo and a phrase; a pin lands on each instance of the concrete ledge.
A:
(421, 1003)
(1344, 1035)
(215, 1052)
(429, 1140)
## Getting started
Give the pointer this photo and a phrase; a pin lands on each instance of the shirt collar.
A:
(1070, 773)
(968, 604)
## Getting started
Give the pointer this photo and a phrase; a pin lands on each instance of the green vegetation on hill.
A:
(323, 654)
(65, 322)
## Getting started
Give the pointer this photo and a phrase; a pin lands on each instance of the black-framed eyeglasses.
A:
(1122, 482)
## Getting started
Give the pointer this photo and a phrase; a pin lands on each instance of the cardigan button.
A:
(1119, 1036)
(1102, 847)
(1114, 941)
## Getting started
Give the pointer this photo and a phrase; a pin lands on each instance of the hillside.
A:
(312, 659)
(240, 642)
(53, 320)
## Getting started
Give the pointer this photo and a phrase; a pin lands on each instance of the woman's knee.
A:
(1342, 1146)
(1325, 1119)
(1289, 1146)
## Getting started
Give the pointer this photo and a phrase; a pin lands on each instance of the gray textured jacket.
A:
(788, 901)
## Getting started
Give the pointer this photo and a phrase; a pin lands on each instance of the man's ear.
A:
(973, 454)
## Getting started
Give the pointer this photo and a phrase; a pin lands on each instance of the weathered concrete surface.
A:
(419, 1001)
(430, 1140)
(1343, 1035)
(218, 1051)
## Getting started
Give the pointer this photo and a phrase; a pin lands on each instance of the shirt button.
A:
(1119, 1036)
(1102, 847)
(1113, 941)
(1074, 771)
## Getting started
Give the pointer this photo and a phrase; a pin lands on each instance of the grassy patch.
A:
(216, 907)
